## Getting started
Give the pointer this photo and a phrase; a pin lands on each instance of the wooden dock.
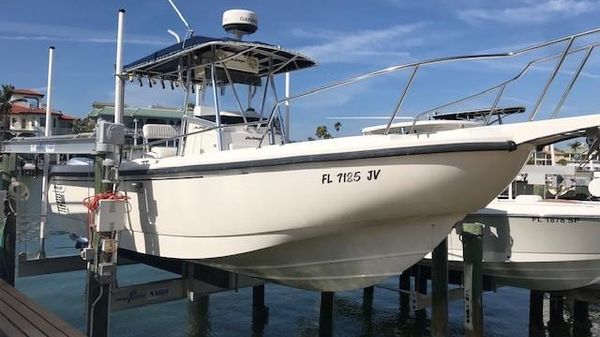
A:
(21, 317)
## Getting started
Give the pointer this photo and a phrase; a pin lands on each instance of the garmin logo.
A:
(248, 19)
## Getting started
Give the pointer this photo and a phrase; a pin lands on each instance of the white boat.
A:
(330, 214)
(538, 244)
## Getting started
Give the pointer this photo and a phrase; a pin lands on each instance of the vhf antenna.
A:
(190, 31)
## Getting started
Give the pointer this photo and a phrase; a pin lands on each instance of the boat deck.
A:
(21, 317)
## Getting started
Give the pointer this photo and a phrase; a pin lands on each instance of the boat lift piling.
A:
(367, 304)
(326, 314)
(536, 313)
(101, 254)
(8, 220)
(260, 312)
(472, 236)
(404, 288)
(581, 319)
(439, 290)
(99, 274)
(46, 168)
(420, 292)
(557, 325)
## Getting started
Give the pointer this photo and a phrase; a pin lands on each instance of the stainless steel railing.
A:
(415, 66)
(501, 86)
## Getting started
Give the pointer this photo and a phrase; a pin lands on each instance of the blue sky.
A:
(346, 37)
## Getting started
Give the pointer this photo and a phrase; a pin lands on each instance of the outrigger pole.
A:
(47, 133)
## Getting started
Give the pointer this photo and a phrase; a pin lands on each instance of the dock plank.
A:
(29, 317)
(20, 321)
(8, 329)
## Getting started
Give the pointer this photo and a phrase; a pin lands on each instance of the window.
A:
(42, 121)
(54, 122)
(23, 122)
(14, 122)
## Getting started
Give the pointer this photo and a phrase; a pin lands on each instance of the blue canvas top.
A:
(168, 62)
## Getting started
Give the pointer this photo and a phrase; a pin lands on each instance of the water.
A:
(292, 312)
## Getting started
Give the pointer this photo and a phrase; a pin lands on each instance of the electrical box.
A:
(111, 133)
(111, 215)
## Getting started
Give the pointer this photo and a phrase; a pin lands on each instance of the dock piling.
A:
(8, 223)
(439, 290)
(326, 314)
(404, 286)
(581, 319)
(367, 304)
(472, 234)
(557, 325)
(198, 318)
(260, 312)
(98, 285)
(536, 313)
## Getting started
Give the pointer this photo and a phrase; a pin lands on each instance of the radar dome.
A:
(240, 22)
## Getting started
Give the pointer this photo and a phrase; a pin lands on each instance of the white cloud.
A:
(43, 32)
(530, 11)
(352, 47)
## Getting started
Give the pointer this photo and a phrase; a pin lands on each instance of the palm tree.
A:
(6, 93)
(337, 126)
(575, 146)
(322, 132)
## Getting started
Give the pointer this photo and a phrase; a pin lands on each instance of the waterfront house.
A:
(28, 115)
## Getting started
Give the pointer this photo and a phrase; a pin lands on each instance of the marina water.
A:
(292, 312)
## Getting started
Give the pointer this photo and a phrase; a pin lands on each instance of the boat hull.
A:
(402, 206)
(346, 260)
(544, 245)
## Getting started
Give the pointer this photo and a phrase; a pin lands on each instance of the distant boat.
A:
(538, 244)
(329, 215)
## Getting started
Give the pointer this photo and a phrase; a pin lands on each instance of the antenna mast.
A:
(190, 31)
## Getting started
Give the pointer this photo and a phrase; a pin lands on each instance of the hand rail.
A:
(415, 65)
(505, 83)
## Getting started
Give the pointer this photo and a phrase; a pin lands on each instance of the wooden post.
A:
(198, 317)
(260, 312)
(404, 285)
(581, 319)
(421, 288)
(439, 290)
(326, 314)
(556, 324)
(472, 234)
(556, 309)
(536, 313)
(98, 285)
(367, 304)
(8, 223)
